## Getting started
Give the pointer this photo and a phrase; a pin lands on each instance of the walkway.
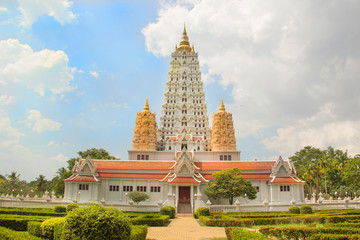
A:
(182, 228)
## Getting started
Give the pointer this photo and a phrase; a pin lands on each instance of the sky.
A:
(73, 74)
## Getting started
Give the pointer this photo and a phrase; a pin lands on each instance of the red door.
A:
(184, 195)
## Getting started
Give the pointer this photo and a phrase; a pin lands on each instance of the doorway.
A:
(184, 201)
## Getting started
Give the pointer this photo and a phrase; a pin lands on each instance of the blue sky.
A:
(74, 74)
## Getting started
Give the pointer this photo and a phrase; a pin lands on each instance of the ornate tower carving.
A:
(184, 123)
(145, 130)
(223, 133)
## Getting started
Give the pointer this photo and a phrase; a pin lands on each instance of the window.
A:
(114, 188)
(146, 157)
(221, 157)
(229, 157)
(154, 189)
(285, 188)
(84, 187)
(127, 188)
(141, 188)
(138, 157)
(225, 157)
(257, 188)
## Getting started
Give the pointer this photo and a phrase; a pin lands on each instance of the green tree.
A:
(13, 185)
(40, 184)
(229, 183)
(95, 153)
(137, 196)
(351, 173)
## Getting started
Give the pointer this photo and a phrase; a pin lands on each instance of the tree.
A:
(95, 153)
(228, 183)
(137, 196)
(40, 185)
(351, 174)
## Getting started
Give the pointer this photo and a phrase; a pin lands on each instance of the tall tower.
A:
(184, 124)
(145, 130)
(223, 133)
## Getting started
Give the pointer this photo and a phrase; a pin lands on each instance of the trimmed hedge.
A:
(242, 234)
(202, 211)
(30, 211)
(294, 210)
(168, 210)
(138, 232)
(322, 236)
(8, 234)
(150, 221)
(19, 223)
(306, 209)
(71, 206)
(34, 228)
(60, 209)
(48, 226)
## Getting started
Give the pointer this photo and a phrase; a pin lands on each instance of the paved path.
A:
(186, 228)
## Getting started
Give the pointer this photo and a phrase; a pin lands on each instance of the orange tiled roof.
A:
(286, 180)
(244, 166)
(132, 165)
(184, 180)
(132, 175)
(82, 178)
(245, 176)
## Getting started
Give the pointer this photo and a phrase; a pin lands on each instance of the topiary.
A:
(306, 209)
(202, 211)
(168, 210)
(59, 209)
(294, 210)
(96, 222)
(71, 206)
(34, 228)
(47, 227)
(137, 196)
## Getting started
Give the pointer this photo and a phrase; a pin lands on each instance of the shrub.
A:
(71, 206)
(168, 210)
(48, 226)
(241, 234)
(19, 223)
(58, 230)
(59, 209)
(34, 228)
(96, 222)
(137, 196)
(138, 232)
(150, 221)
(294, 210)
(8, 234)
(202, 211)
(30, 211)
(306, 209)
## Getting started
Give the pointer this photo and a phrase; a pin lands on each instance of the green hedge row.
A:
(304, 232)
(150, 221)
(138, 232)
(8, 234)
(241, 234)
(322, 236)
(31, 211)
(19, 224)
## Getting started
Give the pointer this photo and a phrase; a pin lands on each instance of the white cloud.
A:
(94, 74)
(40, 71)
(283, 60)
(321, 130)
(60, 158)
(5, 100)
(38, 124)
(3, 9)
(32, 10)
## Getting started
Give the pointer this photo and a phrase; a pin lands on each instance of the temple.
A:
(174, 160)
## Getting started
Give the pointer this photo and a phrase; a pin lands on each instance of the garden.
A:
(297, 223)
(74, 222)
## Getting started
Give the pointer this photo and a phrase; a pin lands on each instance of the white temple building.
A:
(173, 162)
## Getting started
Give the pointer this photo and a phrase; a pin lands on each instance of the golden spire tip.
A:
(222, 106)
(146, 106)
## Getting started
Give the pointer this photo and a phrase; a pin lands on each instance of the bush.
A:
(8, 234)
(59, 209)
(202, 211)
(48, 226)
(294, 210)
(168, 210)
(71, 206)
(19, 223)
(137, 196)
(150, 221)
(305, 209)
(34, 228)
(241, 234)
(30, 211)
(58, 230)
(138, 232)
(96, 222)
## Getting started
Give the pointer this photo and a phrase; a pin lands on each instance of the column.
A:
(177, 195)
(120, 190)
(96, 197)
(192, 197)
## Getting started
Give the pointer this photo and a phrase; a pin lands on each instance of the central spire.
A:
(222, 106)
(146, 106)
(184, 42)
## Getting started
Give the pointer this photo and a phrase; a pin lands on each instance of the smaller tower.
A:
(223, 133)
(145, 130)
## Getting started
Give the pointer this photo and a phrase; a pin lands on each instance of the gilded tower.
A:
(145, 130)
(184, 124)
(223, 134)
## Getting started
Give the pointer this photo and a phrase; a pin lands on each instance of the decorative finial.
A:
(222, 106)
(184, 42)
(184, 31)
(146, 106)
